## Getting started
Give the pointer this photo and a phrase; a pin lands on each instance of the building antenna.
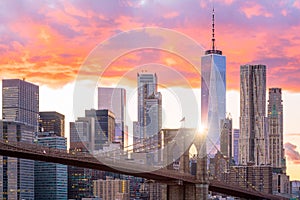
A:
(213, 29)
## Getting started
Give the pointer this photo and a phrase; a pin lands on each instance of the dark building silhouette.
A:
(52, 122)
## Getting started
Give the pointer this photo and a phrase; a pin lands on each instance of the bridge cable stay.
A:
(87, 155)
(144, 143)
(37, 149)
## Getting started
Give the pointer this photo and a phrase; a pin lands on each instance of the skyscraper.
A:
(52, 122)
(136, 135)
(275, 118)
(20, 109)
(213, 90)
(114, 99)
(104, 126)
(252, 141)
(82, 133)
(149, 105)
(20, 101)
(226, 138)
(16, 175)
(51, 179)
(80, 182)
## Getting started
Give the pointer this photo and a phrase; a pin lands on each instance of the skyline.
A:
(46, 43)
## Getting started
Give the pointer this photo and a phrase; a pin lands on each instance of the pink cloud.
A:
(296, 4)
(292, 153)
(252, 9)
(57, 37)
(171, 15)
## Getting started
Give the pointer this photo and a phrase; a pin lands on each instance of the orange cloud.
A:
(56, 39)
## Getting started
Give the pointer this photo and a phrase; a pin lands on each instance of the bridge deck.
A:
(128, 167)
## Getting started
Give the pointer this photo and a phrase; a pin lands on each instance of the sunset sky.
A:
(46, 42)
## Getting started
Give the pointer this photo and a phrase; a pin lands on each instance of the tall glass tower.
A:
(20, 101)
(149, 106)
(213, 91)
(114, 99)
(20, 110)
(51, 179)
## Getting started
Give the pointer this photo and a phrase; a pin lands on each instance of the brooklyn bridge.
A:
(176, 183)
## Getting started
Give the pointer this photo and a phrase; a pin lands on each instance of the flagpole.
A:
(183, 122)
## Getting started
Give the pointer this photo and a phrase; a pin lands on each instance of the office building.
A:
(81, 140)
(114, 99)
(111, 189)
(295, 189)
(251, 177)
(253, 138)
(226, 138)
(80, 182)
(20, 101)
(149, 105)
(52, 122)
(16, 174)
(135, 134)
(236, 136)
(20, 109)
(281, 181)
(82, 133)
(281, 184)
(153, 114)
(275, 118)
(213, 91)
(104, 127)
(51, 179)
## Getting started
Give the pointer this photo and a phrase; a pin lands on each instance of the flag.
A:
(182, 120)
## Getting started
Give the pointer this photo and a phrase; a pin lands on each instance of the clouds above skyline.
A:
(47, 41)
(292, 154)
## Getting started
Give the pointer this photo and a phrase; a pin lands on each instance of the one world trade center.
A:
(213, 91)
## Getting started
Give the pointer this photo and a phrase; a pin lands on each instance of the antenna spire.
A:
(213, 50)
(213, 29)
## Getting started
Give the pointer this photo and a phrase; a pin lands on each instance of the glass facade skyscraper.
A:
(51, 180)
(114, 99)
(149, 106)
(82, 139)
(82, 133)
(20, 101)
(52, 122)
(104, 127)
(20, 109)
(16, 175)
(213, 93)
